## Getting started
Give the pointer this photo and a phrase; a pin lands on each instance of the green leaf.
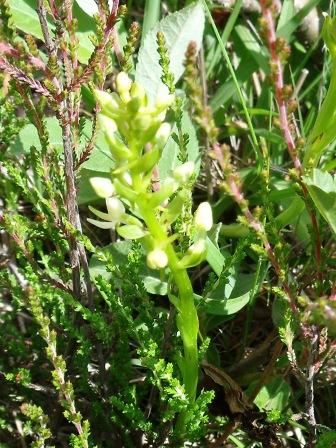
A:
(179, 29)
(274, 395)
(214, 257)
(322, 189)
(131, 232)
(100, 159)
(327, 439)
(227, 300)
(288, 28)
(29, 137)
(151, 16)
(252, 47)
(169, 159)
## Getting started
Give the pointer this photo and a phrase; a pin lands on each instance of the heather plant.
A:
(167, 224)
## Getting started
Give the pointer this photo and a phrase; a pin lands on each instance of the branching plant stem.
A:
(276, 47)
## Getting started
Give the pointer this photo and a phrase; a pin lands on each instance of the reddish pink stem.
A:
(271, 37)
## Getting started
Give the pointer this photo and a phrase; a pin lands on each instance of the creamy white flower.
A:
(157, 259)
(164, 98)
(162, 134)
(123, 83)
(203, 217)
(102, 186)
(115, 209)
(184, 172)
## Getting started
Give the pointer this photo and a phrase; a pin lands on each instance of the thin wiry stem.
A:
(276, 48)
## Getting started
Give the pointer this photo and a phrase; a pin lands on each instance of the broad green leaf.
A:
(214, 257)
(286, 13)
(179, 29)
(227, 300)
(327, 440)
(252, 46)
(154, 285)
(169, 159)
(322, 189)
(100, 159)
(323, 132)
(274, 395)
(151, 16)
(28, 137)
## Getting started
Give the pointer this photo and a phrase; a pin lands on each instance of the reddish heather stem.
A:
(8, 50)
(256, 225)
(279, 84)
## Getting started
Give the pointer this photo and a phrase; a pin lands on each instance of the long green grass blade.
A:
(151, 16)
(236, 83)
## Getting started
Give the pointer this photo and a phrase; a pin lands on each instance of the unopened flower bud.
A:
(137, 91)
(124, 84)
(183, 172)
(108, 102)
(203, 217)
(102, 186)
(162, 134)
(115, 208)
(157, 259)
(164, 98)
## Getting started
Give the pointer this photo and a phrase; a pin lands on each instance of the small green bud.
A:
(203, 217)
(157, 259)
(102, 186)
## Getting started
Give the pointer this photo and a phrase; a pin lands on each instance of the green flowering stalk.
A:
(323, 132)
(137, 208)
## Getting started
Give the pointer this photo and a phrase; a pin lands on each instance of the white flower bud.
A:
(157, 259)
(123, 83)
(102, 186)
(183, 172)
(162, 134)
(164, 98)
(203, 217)
(115, 208)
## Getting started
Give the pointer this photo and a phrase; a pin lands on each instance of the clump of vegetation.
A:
(167, 224)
